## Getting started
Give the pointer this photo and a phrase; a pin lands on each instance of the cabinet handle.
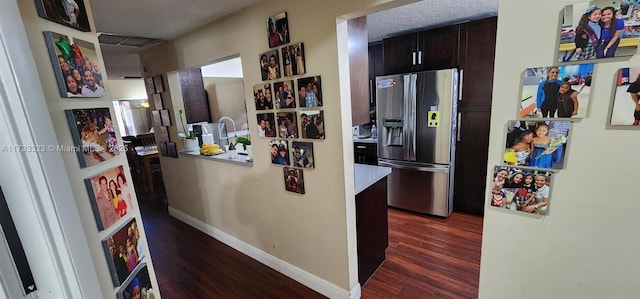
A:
(419, 57)
(371, 92)
(460, 87)
(414, 58)
(459, 127)
(361, 147)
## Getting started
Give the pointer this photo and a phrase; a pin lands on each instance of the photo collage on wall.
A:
(554, 98)
(160, 117)
(77, 71)
(289, 106)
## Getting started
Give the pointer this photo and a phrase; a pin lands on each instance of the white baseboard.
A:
(318, 284)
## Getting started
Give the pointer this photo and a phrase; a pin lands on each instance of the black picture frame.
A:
(172, 149)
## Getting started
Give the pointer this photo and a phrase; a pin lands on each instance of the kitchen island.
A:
(371, 218)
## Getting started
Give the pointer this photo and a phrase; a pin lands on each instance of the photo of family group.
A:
(310, 92)
(262, 96)
(626, 103)
(93, 134)
(599, 29)
(278, 30)
(293, 180)
(287, 126)
(302, 154)
(279, 150)
(70, 13)
(540, 144)
(285, 97)
(556, 92)
(521, 189)
(75, 64)
(266, 123)
(293, 59)
(269, 65)
(139, 286)
(110, 196)
(124, 251)
(312, 124)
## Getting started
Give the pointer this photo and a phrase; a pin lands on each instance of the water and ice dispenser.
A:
(392, 134)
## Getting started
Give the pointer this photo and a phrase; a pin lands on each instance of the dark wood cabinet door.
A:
(477, 52)
(438, 48)
(376, 60)
(399, 54)
(471, 159)
(196, 102)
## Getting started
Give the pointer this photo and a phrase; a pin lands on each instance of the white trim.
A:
(36, 184)
(316, 283)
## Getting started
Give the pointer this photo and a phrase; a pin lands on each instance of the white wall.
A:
(587, 246)
(127, 89)
(226, 98)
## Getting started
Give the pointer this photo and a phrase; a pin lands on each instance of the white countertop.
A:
(365, 140)
(367, 175)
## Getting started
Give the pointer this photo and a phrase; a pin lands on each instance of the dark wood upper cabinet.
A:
(399, 54)
(422, 51)
(196, 103)
(477, 56)
(359, 70)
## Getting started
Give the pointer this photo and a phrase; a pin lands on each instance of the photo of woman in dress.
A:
(536, 143)
(626, 103)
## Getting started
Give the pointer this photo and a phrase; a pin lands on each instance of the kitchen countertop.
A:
(367, 175)
(365, 140)
(242, 160)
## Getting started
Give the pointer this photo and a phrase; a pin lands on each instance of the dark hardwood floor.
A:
(427, 257)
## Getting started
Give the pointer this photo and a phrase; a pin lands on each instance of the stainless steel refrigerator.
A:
(416, 120)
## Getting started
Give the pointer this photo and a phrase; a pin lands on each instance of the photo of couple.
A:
(124, 251)
(293, 180)
(556, 92)
(70, 13)
(521, 189)
(599, 29)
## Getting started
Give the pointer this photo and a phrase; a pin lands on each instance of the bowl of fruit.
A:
(208, 149)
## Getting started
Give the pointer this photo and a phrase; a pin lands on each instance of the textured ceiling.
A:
(167, 19)
(427, 14)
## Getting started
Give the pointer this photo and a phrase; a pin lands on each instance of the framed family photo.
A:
(556, 92)
(270, 65)
(137, 284)
(284, 95)
(312, 124)
(293, 60)
(279, 151)
(302, 154)
(599, 29)
(278, 30)
(262, 96)
(266, 125)
(76, 66)
(71, 13)
(625, 110)
(157, 82)
(157, 102)
(525, 190)
(540, 144)
(123, 252)
(94, 135)
(310, 91)
(293, 180)
(149, 85)
(110, 196)
(287, 125)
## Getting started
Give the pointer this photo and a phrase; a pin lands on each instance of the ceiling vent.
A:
(126, 41)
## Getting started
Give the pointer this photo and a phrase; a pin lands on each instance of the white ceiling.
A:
(167, 19)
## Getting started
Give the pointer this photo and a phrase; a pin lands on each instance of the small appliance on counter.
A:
(361, 132)
(209, 132)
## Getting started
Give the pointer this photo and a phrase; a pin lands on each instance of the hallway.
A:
(427, 257)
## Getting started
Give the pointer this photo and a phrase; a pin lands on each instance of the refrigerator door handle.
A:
(414, 166)
(459, 127)
(461, 76)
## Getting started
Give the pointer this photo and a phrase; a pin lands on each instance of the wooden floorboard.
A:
(427, 257)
